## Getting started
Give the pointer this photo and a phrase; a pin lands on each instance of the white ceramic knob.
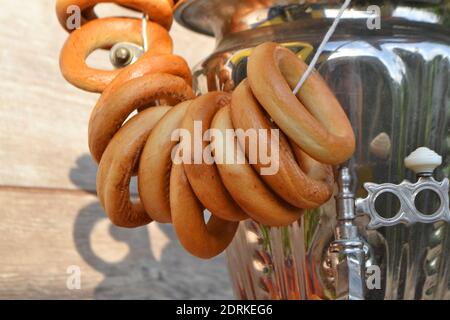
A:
(423, 160)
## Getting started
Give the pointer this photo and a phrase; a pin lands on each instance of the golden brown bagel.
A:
(104, 33)
(313, 128)
(146, 136)
(244, 184)
(204, 240)
(315, 120)
(204, 178)
(158, 11)
(117, 166)
(108, 116)
(290, 182)
(165, 63)
(156, 163)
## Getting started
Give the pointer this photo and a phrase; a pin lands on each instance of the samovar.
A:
(388, 63)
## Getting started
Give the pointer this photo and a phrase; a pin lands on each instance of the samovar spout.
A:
(347, 250)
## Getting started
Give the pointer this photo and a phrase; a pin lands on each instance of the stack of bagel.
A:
(315, 133)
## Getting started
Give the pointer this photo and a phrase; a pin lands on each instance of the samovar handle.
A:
(423, 162)
(346, 252)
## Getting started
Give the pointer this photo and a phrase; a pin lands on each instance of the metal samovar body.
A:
(394, 84)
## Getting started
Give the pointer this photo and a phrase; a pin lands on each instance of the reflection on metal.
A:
(237, 63)
(347, 250)
(381, 146)
(394, 81)
(220, 18)
(123, 54)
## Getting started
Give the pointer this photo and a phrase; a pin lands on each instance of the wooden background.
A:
(50, 218)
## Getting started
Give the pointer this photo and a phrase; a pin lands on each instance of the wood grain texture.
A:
(43, 119)
(50, 218)
(42, 233)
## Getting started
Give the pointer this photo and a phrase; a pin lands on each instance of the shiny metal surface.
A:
(394, 84)
(346, 252)
(406, 193)
(124, 53)
(221, 18)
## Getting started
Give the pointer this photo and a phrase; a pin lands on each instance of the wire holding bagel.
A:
(141, 106)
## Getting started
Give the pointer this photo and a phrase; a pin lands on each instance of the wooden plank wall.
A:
(50, 218)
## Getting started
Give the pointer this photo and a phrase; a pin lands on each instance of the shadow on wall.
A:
(155, 265)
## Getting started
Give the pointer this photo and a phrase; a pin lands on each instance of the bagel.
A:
(204, 240)
(290, 182)
(165, 63)
(104, 33)
(117, 166)
(313, 119)
(203, 177)
(131, 133)
(156, 163)
(244, 184)
(109, 115)
(158, 11)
